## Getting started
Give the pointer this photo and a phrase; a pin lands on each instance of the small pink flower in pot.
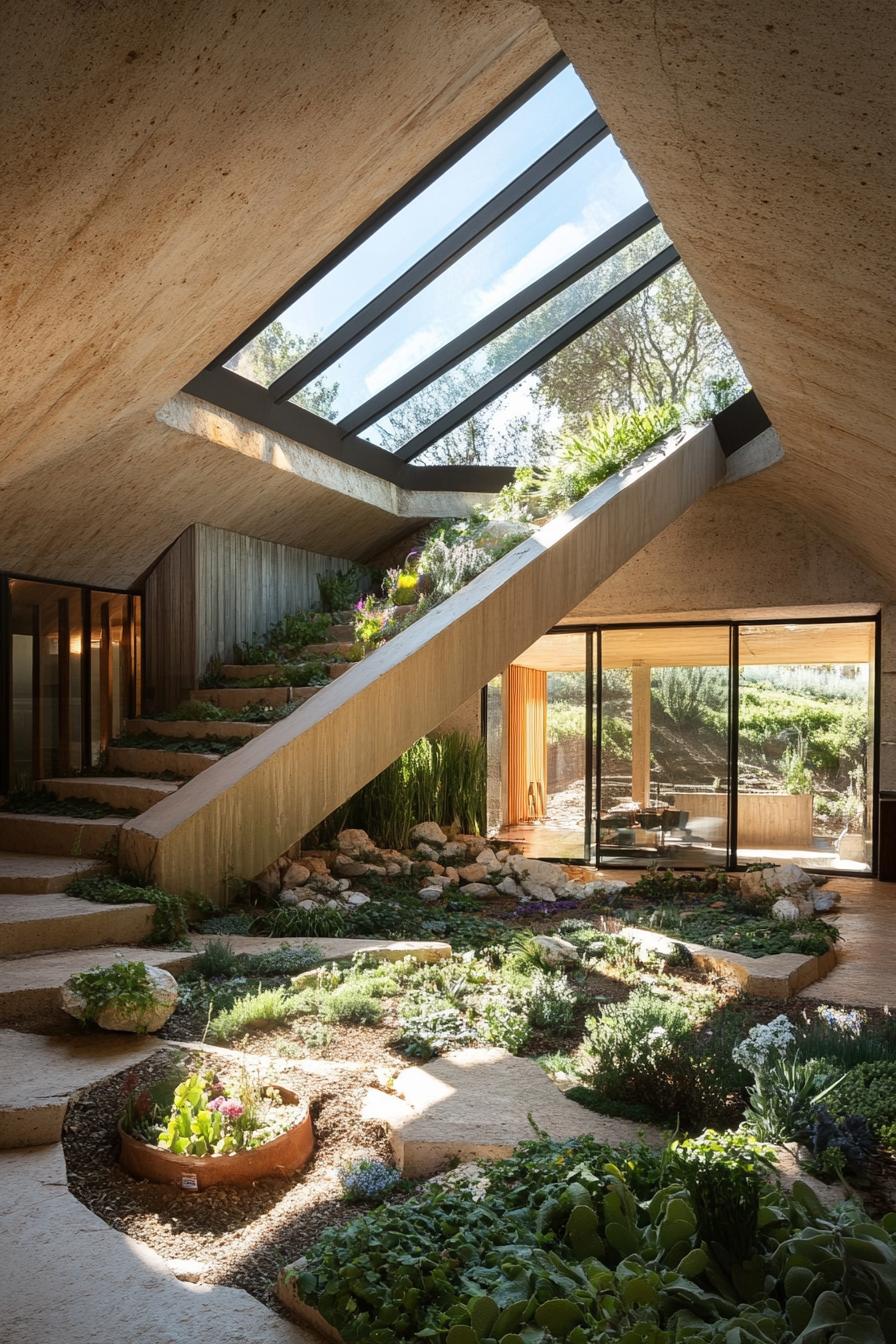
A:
(229, 1107)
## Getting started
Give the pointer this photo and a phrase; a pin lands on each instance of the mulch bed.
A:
(241, 1236)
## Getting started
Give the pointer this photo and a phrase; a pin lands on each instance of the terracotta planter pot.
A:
(282, 1156)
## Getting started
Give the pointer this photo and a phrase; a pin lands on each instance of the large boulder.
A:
(793, 907)
(537, 870)
(556, 951)
(782, 879)
(296, 875)
(354, 843)
(428, 833)
(117, 1016)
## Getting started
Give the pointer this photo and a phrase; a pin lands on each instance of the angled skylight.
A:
(425, 333)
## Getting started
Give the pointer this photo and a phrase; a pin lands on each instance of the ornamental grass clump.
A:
(264, 1008)
(785, 1088)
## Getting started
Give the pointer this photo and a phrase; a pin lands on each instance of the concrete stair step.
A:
(137, 794)
(43, 922)
(249, 671)
(236, 697)
(24, 873)
(194, 728)
(29, 986)
(158, 761)
(80, 837)
(342, 634)
(327, 650)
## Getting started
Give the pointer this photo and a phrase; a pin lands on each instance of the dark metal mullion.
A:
(589, 746)
(733, 740)
(528, 184)
(399, 199)
(507, 315)
(539, 354)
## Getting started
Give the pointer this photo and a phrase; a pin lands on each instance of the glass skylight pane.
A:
(483, 171)
(592, 194)
(397, 428)
(662, 345)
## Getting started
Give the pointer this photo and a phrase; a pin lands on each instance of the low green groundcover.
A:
(573, 1241)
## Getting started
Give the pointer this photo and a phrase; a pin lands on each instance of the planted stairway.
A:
(46, 935)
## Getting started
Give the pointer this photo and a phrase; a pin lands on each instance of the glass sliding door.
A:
(539, 747)
(663, 749)
(805, 735)
(46, 639)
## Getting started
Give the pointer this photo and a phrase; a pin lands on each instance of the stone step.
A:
(327, 650)
(337, 669)
(249, 671)
(46, 921)
(23, 873)
(237, 697)
(194, 728)
(29, 986)
(135, 794)
(79, 837)
(342, 634)
(157, 761)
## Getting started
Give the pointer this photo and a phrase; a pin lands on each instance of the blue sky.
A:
(586, 199)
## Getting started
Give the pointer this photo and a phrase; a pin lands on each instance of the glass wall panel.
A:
(663, 784)
(423, 222)
(46, 635)
(538, 751)
(805, 773)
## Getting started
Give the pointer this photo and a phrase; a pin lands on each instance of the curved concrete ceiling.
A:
(763, 134)
(169, 171)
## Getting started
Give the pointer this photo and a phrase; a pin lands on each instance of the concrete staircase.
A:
(46, 935)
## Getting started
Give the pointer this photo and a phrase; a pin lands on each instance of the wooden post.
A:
(641, 733)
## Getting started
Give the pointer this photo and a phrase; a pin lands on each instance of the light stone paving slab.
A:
(30, 986)
(68, 1276)
(38, 1075)
(51, 921)
(477, 1103)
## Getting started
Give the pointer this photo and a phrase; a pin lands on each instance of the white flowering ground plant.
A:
(786, 1088)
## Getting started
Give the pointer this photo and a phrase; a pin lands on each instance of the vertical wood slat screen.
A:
(526, 743)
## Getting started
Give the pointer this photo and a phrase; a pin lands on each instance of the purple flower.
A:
(229, 1107)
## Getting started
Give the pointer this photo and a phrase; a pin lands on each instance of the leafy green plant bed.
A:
(735, 930)
(42, 803)
(203, 711)
(198, 746)
(573, 1241)
(170, 920)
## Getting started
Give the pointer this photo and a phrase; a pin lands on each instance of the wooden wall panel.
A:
(526, 729)
(213, 588)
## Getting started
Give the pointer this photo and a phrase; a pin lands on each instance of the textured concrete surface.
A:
(43, 921)
(777, 977)
(26, 833)
(43, 872)
(864, 975)
(29, 986)
(763, 136)
(476, 1104)
(150, 223)
(38, 1075)
(68, 1276)
(136, 794)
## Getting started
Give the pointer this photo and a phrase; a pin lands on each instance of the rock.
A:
(792, 907)
(441, 880)
(502, 855)
(497, 531)
(453, 876)
(344, 884)
(473, 842)
(356, 898)
(546, 874)
(375, 870)
(393, 870)
(430, 894)
(423, 952)
(556, 951)
(328, 886)
(488, 860)
(508, 887)
(267, 884)
(432, 867)
(608, 889)
(781, 879)
(536, 891)
(316, 864)
(484, 891)
(288, 898)
(652, 944)
(823, 901)
(471, 872)
(349, 867)
(352, 842)
(427, 852)
(334, 904)
(454, 852)
(119, 1017)
(429, 833)
(296, 875)
(307, 905)
(188, 1271)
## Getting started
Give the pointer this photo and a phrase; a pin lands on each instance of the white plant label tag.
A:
(189, 1181)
